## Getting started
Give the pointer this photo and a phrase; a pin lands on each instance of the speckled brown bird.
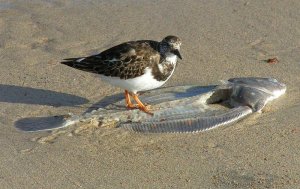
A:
(134, 66)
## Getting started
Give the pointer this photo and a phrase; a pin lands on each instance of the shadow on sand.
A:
(28, 95)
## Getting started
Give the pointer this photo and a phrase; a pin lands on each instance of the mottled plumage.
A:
(135, 65)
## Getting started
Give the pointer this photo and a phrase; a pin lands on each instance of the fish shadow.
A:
(28, 95)
(32, 124)
(156, 96)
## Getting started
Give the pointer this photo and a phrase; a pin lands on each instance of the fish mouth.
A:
(268, 85)
(180, 109)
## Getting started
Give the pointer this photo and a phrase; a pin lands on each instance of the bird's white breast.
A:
(171, 58)
(141, 83)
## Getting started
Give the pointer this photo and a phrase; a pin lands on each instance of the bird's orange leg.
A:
(141, 106)
(128, 101)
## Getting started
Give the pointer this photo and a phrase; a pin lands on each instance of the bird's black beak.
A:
(177, 53)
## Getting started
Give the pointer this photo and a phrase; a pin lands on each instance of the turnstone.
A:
(134, 66)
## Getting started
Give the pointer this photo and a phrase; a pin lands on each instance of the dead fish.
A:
(179, 109)
(245, 96)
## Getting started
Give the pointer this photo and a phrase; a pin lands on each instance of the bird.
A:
(134, 66)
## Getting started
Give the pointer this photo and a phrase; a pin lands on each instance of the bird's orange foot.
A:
(146, 109)
(139, 105)
(129, 104)
(132, 106)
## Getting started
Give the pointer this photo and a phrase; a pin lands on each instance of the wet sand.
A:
(221, 40)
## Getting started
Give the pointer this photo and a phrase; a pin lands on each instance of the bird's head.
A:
(171, 44)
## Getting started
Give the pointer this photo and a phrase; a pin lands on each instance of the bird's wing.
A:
(127, 60)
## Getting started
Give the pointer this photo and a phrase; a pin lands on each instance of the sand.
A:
(221, 40)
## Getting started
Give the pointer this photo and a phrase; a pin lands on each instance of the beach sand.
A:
(221, 40)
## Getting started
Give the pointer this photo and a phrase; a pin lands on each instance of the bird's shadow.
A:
(28, 95)
(32, 124)
(153, 97)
